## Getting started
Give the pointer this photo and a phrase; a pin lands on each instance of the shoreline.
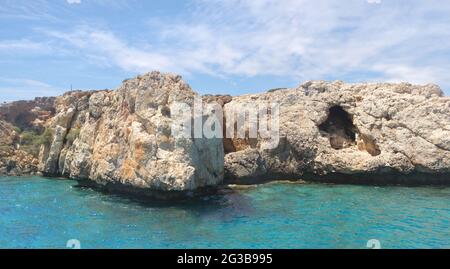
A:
(143, 194)
(130, 140)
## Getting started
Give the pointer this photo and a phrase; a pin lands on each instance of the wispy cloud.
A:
(354, 40)
(28, 10)
(298, 38)
(105, 48)
(24, 45)
(22, 88)
(50, 10)
(73, 2)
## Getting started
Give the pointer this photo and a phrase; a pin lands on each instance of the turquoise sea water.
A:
(45, 213)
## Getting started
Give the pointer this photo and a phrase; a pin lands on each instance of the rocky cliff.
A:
(21, 133)
(28, 115)
(123, 138)
(14, 159)
(333, 132)
(352, 133)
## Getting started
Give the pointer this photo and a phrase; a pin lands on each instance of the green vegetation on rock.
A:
(73, 134)
(30, 141)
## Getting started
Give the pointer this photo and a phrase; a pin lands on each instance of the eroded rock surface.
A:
(21, 131)
(13, 160)
(357, 133)
(123, 137)
(28, 115)
(335, 132)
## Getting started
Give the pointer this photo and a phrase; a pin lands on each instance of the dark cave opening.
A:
(341, 131)
(339, 128)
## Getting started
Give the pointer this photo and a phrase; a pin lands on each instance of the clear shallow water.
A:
(44, 213)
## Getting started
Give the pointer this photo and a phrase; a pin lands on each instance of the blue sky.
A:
(227, 46)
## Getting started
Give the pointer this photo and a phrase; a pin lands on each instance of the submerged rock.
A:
(351, 133)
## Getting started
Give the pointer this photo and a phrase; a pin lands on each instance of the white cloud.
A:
(297, 38)
(24, 45)
(21, 88)
(25, 82)
(28, 10)
(72, 2)
(105, 48)
(412, 74)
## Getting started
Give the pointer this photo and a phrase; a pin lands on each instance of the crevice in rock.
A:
(222, 100)
(228, 145)
(57, 170)
(421, 137)
(341, 131)
(339, 128)
(237, 144)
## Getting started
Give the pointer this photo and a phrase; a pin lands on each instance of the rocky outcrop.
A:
(351, 133)
(21, 132)
(333, 132)
(13, 160)
(28, 115)
(123, 138)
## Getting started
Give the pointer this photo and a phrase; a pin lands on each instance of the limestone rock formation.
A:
(352, 133)
(13, 160)
(123, 137)
(21, 131)
(28, 115)
(328, 131)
